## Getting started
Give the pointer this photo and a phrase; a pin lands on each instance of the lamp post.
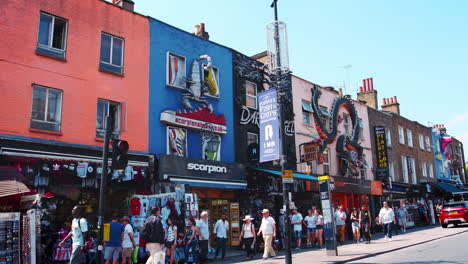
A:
(279, 67)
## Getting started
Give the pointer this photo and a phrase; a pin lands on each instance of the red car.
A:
(454, 213)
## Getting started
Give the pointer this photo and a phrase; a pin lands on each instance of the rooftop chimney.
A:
(200, 31)
(391, 105)
(367, 93)
(441, 128)
(125, 4)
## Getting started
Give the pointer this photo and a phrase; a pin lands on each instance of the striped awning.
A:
(11, 187)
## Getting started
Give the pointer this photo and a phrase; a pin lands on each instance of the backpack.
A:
(152, 231)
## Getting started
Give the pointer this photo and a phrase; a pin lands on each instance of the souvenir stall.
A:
(10, 238)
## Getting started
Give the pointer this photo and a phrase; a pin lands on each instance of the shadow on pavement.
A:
(420, 262)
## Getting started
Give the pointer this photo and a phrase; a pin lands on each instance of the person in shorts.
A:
(114, 245)
(356, 224)
(310, 223)
(296, 221)
(128, 242)
(402, 217)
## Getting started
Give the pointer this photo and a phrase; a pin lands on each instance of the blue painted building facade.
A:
(442, 164)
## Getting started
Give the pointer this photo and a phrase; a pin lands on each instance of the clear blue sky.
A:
(414, 49)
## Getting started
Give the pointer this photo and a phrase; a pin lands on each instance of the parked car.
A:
(454, 213)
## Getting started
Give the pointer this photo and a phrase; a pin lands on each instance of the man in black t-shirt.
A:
(366, 221)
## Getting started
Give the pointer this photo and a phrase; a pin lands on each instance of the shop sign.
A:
(188, 120)
(381, 152)
(376, 188)
(311, 152)
(269, 126)
(174, 166)
(249, 116)
(288, 176)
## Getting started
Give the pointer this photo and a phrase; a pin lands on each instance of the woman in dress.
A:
(319, 227)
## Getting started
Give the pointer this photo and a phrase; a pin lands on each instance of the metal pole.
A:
(102, 190)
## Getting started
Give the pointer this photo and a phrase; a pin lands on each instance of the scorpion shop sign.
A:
(269, 126)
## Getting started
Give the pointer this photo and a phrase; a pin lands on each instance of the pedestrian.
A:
(249, 237)
(170, 243)
(204, 236)
(114, 245)
(310, 223)
(179, 253)
(349, 228)
(153, 233)
(268, 229)
(386, 218)
(296, 221)
(396, 226)
(356, 224)
(403, 217)
(191, 238)
(340, 222)
(282, 226)
(128, 242)
(79, 234)
(319, 227)
(220, 229)
(366, 223)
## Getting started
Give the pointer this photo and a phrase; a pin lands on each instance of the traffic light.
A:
(119, 154)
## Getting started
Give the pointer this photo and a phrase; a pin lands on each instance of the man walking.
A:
(128, 242)
(296, 221)
(340, 222)
(153, 233)
(204, 236)
(78, 234)
(387, 217)
(402, 217)
(221, 228)
(366, 222)
(114, 245)
(311, 224)
(268, 229)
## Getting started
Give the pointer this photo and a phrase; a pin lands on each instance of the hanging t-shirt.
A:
(137, 174)
(82, 169)
(144, 207)
(91, 171)
(128, 174)
(45, 170)
(56, 168)
(135, 206)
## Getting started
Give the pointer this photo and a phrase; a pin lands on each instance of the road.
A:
(443, 251)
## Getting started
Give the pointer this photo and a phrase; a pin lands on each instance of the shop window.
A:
(326, 162)
(46, 111)
(108, 108)
(177, 141)
(401, 135)
(306, 113)
(112, 53)
(211, 81)
(52, 36)
(404, 168)
(409, 134)
(391, 170)
(252, 138)
(176, 71)
(388, 137)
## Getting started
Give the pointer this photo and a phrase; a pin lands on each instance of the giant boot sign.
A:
(328, 218)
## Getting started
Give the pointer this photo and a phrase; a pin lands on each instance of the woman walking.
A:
(356, 224)
(191, 236)
(248, 236)
(319, 227)
(171, 233)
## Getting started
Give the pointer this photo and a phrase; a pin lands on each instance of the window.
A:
(428, 144)
(211, 81)
(424, 169)
(46, 111)
(401, 135)
(404, 168)
(252, 138)
(105, 108)
(251, 94)
(176, 70)
(437, 145)
(52, 36)
(326, 162)
(363, 170)
(112, 51)
(421, 142)
(346, 123)
(391, 170)
(306, 113)
(431, 171)
(410, 138)
(361, 129)
(412, 169)
(388, 137)
(325, 115)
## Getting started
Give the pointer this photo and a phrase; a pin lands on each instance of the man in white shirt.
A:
(296, 221)
(78, 234)
(128, 242)
(202, 225)
(268, 229)
(387, 217)
(310, 223)
(221, 228)
(340, 222)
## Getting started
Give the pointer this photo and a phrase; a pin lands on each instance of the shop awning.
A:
(296, 175)
(448, 187)
(10, 182)
(210, 183)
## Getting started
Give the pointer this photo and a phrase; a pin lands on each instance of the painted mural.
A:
(348, 149)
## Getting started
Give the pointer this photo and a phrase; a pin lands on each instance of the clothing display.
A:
(135, 206)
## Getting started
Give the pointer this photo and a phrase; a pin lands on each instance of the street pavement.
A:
(360, 253)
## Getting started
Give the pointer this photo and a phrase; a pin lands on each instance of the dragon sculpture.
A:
(348, 149)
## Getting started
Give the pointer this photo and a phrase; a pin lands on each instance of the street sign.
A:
(288, 176)
(323, 178)
(269, 126)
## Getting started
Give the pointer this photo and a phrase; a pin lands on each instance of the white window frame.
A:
(251, 96)
(216, 70)
(388, 137)
(391, 170)
(326, 161)
(250, 134)
(409, 135)
(424, 169)
(51, 32)
(431, 171)
(305, 115)
(59, 111)
(168, 55)
(421, 141)
(414, 178)
(118, 119)
(346, 122)
(404, 169)
(438, 145)
(401, 135)
(111, 47)
(428, 144)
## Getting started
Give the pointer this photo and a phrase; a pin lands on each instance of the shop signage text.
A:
(381, 151)
(269, 129)
(249, 116)
(171, 118)
(208, 168)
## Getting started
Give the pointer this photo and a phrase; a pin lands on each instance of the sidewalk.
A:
(351, 251)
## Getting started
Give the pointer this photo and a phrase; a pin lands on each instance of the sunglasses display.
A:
(9, 238)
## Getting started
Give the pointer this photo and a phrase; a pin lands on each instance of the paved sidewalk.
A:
(351, 252)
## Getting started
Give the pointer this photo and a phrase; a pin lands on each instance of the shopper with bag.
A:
(153, 235)
(248, 236)
(78, 234)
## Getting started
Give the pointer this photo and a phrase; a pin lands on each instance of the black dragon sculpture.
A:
(348, 149)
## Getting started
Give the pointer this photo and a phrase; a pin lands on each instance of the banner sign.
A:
(269, 126)
(381, 151)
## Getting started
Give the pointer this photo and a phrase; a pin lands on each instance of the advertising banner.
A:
(269, 126)
(382, 157)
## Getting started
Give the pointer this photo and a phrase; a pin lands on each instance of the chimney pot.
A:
(371, 84)
(360, 89)
(383, 101)
(395, 99)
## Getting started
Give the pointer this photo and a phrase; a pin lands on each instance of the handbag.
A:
(135, 255)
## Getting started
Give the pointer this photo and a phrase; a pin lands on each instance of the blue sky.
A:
(416, 50)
